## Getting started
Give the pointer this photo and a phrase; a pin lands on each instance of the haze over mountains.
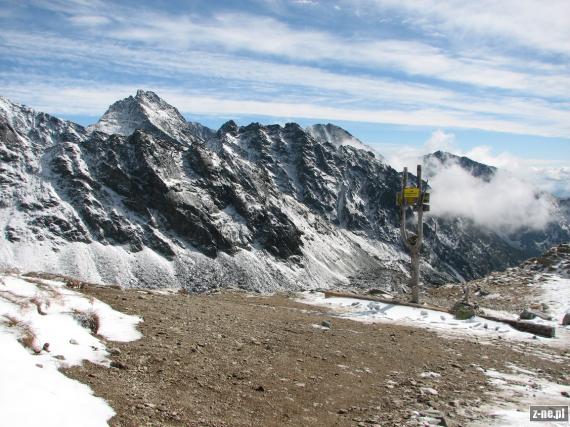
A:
(145, 198)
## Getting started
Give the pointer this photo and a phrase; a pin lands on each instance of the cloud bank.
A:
(505, 203)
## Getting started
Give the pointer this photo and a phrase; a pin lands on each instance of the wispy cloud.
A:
(372, 99)
(428, 73)
(268, 36)
(89, 20)
(528, 23)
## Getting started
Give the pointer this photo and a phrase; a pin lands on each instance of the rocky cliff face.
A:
(144, 198)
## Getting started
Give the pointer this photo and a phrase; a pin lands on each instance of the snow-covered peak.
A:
(39, 127)
(143, 111)
(337, 136)
(14, 113)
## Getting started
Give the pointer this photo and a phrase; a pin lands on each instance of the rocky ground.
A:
(233, 359)
(512, 290)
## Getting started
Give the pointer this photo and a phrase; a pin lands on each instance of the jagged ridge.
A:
(145, 198)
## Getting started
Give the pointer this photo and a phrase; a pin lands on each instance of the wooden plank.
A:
(520, 325)
(525, 326)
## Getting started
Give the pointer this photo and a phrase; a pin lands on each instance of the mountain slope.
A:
(174, 204)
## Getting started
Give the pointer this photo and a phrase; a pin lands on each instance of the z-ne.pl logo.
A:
(549, 413)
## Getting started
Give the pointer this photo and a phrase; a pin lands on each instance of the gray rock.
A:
(529, 314)
(463, 311)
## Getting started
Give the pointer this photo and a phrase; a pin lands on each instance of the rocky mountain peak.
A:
(230, 127)
(338, 136)
(145, 111)
(479, 170)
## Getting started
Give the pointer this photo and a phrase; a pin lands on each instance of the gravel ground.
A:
(233, 359)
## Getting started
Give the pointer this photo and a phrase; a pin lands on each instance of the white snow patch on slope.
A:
(556, 294)
(516, 392)
(47, 316)
(443, 323)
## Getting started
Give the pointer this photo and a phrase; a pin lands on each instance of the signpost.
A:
(418, 199)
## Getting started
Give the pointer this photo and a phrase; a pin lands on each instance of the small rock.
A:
(259, 388)
(566, 319)
(115, 351)
(326, 324)
(46, 347)
(73, 341)
(528, 314)
(60, 357)
(118, 365)
(565, 393)
(428, 390)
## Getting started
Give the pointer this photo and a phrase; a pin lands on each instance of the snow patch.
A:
(515, 393)
(45, 326)
(443, 323)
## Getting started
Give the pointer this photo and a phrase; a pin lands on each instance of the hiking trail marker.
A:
(418, 199)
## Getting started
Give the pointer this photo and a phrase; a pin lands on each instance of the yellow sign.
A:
(411, 193)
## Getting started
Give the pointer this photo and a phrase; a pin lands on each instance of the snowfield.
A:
(45, 326)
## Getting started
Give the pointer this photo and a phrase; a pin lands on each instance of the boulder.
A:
(463, 310)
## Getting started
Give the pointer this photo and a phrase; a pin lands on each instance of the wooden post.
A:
(413, 242)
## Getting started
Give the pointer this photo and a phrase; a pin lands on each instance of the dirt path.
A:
(230, 359)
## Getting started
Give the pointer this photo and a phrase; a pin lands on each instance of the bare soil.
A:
(232, 359)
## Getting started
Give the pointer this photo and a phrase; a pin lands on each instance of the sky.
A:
(489, 78)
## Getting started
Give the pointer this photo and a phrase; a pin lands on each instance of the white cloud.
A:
(532, 175)
(247, 52)
(268, 36)
(505, 203)
(89, 20)
(540, 25)
(439, 140)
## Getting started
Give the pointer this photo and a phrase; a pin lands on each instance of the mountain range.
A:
(146, 198)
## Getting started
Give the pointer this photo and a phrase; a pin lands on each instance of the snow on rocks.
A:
(444, 323)
(45, 326)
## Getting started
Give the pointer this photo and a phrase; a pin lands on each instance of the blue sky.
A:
(397, 74)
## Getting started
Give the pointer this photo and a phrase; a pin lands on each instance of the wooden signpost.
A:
(418, 199)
